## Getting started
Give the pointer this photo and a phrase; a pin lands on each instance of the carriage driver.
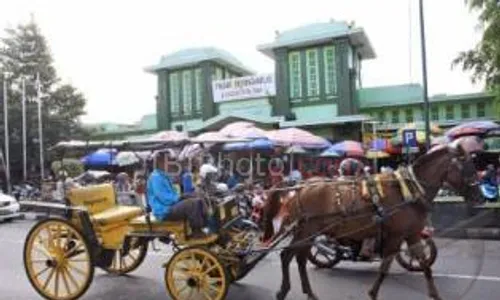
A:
(164, 200)
(354, 167)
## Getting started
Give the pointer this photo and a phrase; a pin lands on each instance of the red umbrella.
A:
(472, 128)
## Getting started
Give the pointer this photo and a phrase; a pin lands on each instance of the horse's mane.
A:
(430, 156)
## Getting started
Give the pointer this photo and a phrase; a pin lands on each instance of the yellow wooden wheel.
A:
(57, 260)
(196, 274)
(125, 263)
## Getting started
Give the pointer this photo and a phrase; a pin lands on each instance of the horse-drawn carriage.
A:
(91, 230)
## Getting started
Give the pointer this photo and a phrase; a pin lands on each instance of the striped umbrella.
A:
(297, 137)
(472, 128)
(349, 148)
(235, 127)
(170, 135)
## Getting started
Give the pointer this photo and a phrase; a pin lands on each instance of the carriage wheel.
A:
(410, 263)
(195, 273)
(57, 260)
(123, 264)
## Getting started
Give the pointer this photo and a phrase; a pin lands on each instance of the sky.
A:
(102, 47)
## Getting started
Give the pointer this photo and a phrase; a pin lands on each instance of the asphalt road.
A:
(465, 269)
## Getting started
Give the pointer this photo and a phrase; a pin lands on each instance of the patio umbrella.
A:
(299, 137)
(170, 135)
(295, 150)
(190, 151)
(371, 154)
(126, 158)
(471, 144)
(472, 128)
(235, 127)
(349, 148)
(330, 153)
(215, 137)
(100, 158)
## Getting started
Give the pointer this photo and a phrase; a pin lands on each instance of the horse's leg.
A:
(390, 248)
(286, 257)
(417, 250)
(304, 278)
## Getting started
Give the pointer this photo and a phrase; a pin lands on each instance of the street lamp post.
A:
(23, 101)
(424, 76)
(40, 125)
(6, 131)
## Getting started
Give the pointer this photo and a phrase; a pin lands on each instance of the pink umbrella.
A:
(349, 148)
(170, 135)
(215, 137)
(296, 137)
(235, 127)
(471, 144)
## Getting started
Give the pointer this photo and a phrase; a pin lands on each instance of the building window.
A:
(312, 72)
(395, 117)
(409, 115)
(295, 72)
(434, 113)
(465, 108)
(380, 116)
(330, 71)
(481, 110)
(218, 74)
(449, 112)
(174, 93)
(199, 92)
(187, 96)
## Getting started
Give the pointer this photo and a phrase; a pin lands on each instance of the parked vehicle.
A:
(328, 253)
(9, 208)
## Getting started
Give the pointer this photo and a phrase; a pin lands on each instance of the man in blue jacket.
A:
(164, 200)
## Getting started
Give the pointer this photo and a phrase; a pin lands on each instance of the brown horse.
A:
(343, 209)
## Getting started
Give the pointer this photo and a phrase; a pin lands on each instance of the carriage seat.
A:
(140, 224)
(117, 214)
(100, 201)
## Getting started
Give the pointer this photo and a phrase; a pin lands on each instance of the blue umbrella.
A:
(100, 158)
(258, 144)
(261, 144)
(330, 153)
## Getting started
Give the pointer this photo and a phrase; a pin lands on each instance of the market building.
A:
(316, 85)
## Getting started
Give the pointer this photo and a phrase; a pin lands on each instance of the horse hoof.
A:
(372, 294)
(312, 297)
(280, 296)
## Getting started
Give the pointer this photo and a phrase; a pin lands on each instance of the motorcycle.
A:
(327, 253)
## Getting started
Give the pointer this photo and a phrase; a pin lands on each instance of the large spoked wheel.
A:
(124, 263)
(195, 273)
(57, 260)
(324, 260)
(410, 263)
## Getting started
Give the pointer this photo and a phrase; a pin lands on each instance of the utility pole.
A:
(6, 132)
(40, 125)
(23, 100)
(424, 77)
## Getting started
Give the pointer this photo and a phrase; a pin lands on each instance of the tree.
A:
(484, 59)
(24, 53)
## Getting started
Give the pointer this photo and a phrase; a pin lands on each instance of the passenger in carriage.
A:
(164, 200)
(355, 168)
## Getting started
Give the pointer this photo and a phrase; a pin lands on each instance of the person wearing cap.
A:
(165, 201)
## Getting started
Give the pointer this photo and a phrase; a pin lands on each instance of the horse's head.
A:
(271, 219)
(462, 175)
(450, 165)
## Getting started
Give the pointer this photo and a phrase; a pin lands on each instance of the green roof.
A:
(192, 56)
(406, 94)
(320, 32)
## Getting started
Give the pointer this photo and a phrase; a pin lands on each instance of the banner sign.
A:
(244, 88)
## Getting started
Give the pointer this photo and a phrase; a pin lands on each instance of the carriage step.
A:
(150, 234)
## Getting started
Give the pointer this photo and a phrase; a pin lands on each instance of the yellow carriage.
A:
(91, 230)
